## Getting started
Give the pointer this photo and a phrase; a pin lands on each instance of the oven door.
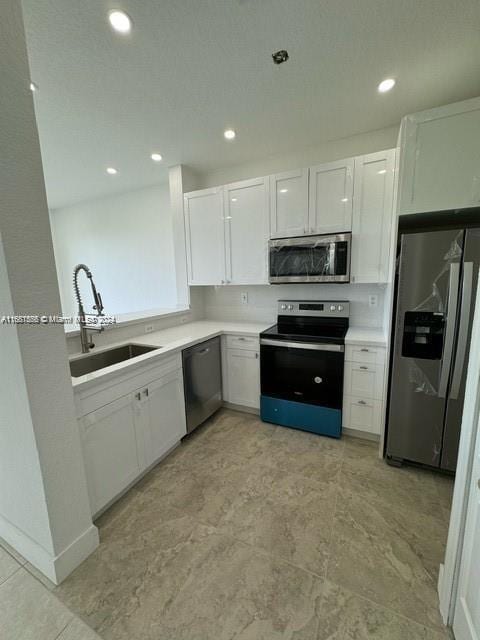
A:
(310, 259)
(308, 373)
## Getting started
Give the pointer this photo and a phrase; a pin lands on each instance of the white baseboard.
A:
(75, 554)
(362, 435)
(55, 568)
(241, 407)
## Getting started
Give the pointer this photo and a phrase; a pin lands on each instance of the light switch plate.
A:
(373, 300)
(244, 297)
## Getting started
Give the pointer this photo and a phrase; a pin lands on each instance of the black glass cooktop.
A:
(307, 329)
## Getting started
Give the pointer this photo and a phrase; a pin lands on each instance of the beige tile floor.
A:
(250, 531)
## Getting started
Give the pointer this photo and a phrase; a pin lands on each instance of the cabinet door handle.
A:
(362, 402)
(364, 350)
(364, 368)
(145, 393)
(256, 356)
(138, 396)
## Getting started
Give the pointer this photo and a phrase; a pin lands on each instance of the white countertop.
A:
(367, 336)
(176, 339)
(169, 341)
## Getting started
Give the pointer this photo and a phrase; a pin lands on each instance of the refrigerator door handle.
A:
(454, 281)
(463, 328)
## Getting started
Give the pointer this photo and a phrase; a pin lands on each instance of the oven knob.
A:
(340, 307)
(283, 307)
(318, 380)
(333, 307)
(290, 307)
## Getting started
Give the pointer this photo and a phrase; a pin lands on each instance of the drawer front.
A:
(364, 380)
(364, 354)
(362, 414)
(251, 343)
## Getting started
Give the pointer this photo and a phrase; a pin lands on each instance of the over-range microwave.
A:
(310, 259)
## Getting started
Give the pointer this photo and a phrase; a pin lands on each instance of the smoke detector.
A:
(280, 57)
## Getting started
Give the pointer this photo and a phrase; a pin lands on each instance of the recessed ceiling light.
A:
(120, 21)
(156, 157)
(229, 134)
(386, 85)
(283, 190)
(382, 171)
(344, 199)
(33, 87)
(111, 171)
(234, 199)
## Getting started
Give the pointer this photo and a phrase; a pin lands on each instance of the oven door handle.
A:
(313, 346)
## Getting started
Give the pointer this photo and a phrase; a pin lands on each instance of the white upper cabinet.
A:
(440, 158)
(204, 230)
(330, 197)
(372, 216)
(289, 204)
(247, 226)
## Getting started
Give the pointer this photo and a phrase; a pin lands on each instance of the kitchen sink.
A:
(95, 361)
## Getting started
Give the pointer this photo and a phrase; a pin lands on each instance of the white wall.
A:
(224, 303)
(127, 241)
(44, 508)
(327, 152)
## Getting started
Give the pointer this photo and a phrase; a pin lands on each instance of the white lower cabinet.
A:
(165, 415)
(241, 371)
(125, 436)
(364, 388)
(362, 414)
(110, 450)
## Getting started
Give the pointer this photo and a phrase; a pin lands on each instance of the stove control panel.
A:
(315, 308)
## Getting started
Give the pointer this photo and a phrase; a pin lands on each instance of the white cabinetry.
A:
(128, 425)
(162, 415)
(204, 231)
(289, 204)
(440, 158)
(330, 197)
(241, 371)
(372, 216)
(363, 389)
(246, 226)
(226, 231)
(111, 451)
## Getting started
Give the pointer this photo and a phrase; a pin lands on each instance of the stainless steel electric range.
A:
(301, 366)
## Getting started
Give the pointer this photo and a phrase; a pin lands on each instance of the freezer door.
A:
(453, 419)
(429, 276)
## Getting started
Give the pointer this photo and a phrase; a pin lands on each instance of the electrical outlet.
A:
(183, 319)
(373, 300)
(244, 297)
(149, 328)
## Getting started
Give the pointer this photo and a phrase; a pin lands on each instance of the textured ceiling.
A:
(191, 68)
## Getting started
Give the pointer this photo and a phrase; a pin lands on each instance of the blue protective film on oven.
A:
(308, 417)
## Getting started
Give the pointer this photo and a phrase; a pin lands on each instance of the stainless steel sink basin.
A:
(96, 361)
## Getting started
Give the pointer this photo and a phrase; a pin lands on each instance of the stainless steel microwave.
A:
(310, 259)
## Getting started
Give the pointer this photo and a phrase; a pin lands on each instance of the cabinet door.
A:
(110, 449)
(330, 197)
(362, 414)
(372, 216)
(247, 222)
(289, 204)
(440, 158)
(205, 236)
(166, 415)
(243, 377)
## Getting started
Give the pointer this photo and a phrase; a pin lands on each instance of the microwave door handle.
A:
(467, 287)
(454, 280)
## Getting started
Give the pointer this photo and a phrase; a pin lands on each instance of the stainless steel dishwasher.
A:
(202, 378)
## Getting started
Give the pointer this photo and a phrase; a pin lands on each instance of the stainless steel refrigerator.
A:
(436, 285)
